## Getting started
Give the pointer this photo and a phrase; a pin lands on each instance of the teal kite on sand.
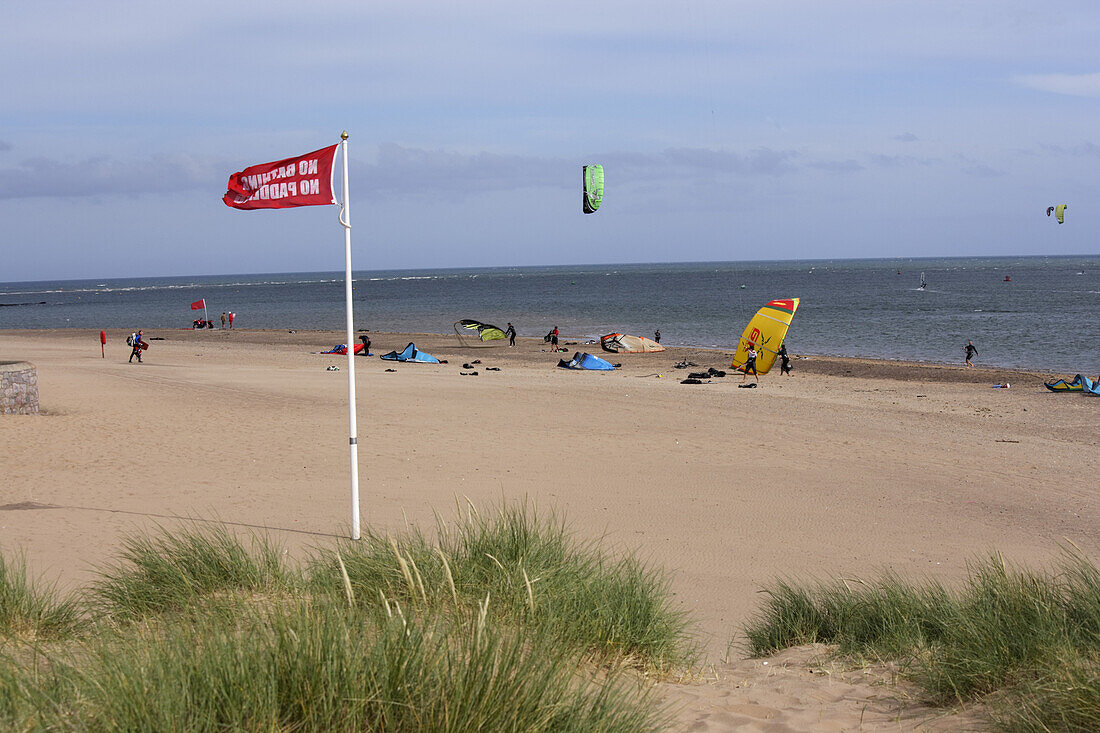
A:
(410, 354)
(1080, 383)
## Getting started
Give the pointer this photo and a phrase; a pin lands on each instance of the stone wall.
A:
(18, 388)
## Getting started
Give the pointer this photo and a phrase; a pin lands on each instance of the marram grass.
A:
(1028, 643)
(535, 573)
(501, 623)
(30, 612)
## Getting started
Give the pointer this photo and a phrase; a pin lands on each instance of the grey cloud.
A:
(1081, 149)
(897, 161)
(906, 137)
(836, 166)
(104, 176)
(404, 171)
(981, 170)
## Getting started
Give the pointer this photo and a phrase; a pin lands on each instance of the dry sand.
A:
(845, 468)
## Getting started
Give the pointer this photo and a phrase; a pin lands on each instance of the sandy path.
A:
(845, 468)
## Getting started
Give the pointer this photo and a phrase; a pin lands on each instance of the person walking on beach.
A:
(511, 334)
(750, 363)
(971, 352)
(135, 346)
(785, 365)
(230, 320)
(223, 319)
(657, 335)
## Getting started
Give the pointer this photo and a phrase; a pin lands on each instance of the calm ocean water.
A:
(1046, 317)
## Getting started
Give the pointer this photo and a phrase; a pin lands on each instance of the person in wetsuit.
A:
(750, 363)
(971, 352)
(785, 365)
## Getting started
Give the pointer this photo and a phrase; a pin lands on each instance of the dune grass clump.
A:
(1033, 638)
(170, 571)
(27, 612)
(324, 667)
(534, 573)
(501, 623)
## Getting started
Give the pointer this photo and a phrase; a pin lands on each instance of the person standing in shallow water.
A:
(971, 352)
(511, 334)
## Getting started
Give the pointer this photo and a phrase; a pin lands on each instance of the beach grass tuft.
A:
(501, 622)
(537, 575)
(28, 612)
(171, 571)
(1033, 638)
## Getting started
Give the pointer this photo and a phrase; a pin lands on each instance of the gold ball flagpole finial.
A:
(344, 135)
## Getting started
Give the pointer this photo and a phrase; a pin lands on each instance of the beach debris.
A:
(750, 385)
(468, 374)
(492, 369)
(1005, 440)
(592, 177)
(699, 375)
(684, 364)
(715, 372)
(332, 368)
(391, 370)
(1005, 385)
(691, 380)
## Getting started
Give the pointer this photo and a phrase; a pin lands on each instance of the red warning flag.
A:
(198, 305)
(302, 181)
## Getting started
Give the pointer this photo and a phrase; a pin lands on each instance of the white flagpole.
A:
(353, 440)
(204, 313)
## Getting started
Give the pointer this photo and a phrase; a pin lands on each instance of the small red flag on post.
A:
(198, 305)
(302, 181)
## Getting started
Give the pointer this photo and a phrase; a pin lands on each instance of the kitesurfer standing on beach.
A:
(135, 346)
(511, 334)
(750, 363)
(785, 365)
(971, 352)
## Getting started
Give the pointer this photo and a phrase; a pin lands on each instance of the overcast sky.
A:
(728, 131)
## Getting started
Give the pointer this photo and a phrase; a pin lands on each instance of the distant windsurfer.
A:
(511, 334)
(657, 335)
(971, 352)
(750, 363)
(785, 365)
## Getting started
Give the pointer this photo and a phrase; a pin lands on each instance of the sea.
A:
(1039, 313)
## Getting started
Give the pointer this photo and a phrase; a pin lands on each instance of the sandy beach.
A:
(843, 469)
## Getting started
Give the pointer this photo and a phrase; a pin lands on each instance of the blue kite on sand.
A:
(1080, 383)
(586, 361)
(410, 354)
